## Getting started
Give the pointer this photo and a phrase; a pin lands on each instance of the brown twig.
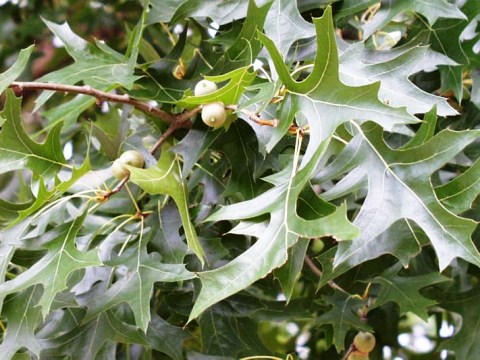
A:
(254, 117)
(180, 122)
(117, 188)
(319, 273)
(100, 95)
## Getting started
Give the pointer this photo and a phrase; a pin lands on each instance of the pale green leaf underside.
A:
(399, 188)
(53, 270)
(16, 69)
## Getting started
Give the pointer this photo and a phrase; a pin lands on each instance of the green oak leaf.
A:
(9, 211)
(239, 146)
(232, 64)
(288, 274)
(285, 25)
(230, 93)
(166, 225)
(350, 7)
(86, 340)
(282, 230)
(443, 33)
(167, 338)
(19, 151)
(425, 132)
(431, 9)
(225, 333)
(358, 66)
(471, 36)
(161, 11)
(342, 316)
(194, 145)
(95, 65)
(245, 47)
(16, 69)
(45, 196)
(136, 287)
(404, 290)
(220, 11)
(6, 253)
(459, 194)
(54, 268)
(310, 206)
(322, 98)
(399, 187)
(465, 342)
(98, 66)
(166, 178)
(447, 39)
(404, 239)
(23, 318)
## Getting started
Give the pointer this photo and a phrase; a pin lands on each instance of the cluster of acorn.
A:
(213, 114)
(363, 344)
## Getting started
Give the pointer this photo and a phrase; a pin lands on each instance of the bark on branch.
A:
(101, 96)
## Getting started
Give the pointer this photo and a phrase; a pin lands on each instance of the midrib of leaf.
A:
(405, 296)
(434, 32)
(77, 73)
(92, 338)
(33, 156)
(345, 105)
(241, 81)
(384, 85)
(151, 179)
(387, 169)
(24, 317)
(344, 310)
(225, 289)
(414, 234)
(215, 331)
(464, 189)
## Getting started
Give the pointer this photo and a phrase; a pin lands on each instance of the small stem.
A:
(133, 199)
(349, 351)
(313, 267)
(179, 123)
(254, 117)
(319, 273)
(117, 188)
(162, 139)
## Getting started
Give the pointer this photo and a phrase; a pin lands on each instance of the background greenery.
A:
(341, 194)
